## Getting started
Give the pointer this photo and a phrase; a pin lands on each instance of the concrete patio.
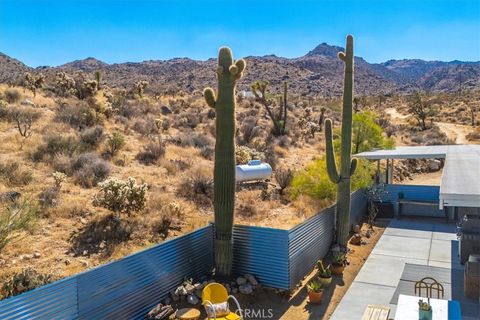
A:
(420, 242)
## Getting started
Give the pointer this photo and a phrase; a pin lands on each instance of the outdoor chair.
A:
(429, 284)
(215, 300)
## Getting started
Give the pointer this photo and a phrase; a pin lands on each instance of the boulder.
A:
(27, 102)
(189, 288)
(434, 165)
(251, 279)
(241, 281)
(246, 288)
(181, 291)
(165, 110)
(356, 239)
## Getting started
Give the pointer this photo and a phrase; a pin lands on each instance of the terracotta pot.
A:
(315, 297)
(325, 282)
(337, 269)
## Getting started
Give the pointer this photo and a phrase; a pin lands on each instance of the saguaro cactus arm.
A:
(330, 153)
(209, 96)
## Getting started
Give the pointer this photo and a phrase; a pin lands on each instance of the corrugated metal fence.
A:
(124, 289)
(129, 287)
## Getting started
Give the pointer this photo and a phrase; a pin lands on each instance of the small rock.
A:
(241, 281)
(189, 288)
(2, 262)
(85, 252)
(181, 291)
(27, 102)
(198, 286)
(165, 110)
(84, 263)
(246, 288)
(192, 299)
(83, 220)
(67, 262)
(102, 245)
(89, 240)
(235, 290)
(36, 255)
(250, 278)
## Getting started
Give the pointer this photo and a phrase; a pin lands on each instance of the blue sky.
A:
(55, 32)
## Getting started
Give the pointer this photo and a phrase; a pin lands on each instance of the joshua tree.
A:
(279, 119)
(473, 113)
(421, 109)
(228, 72)
(347, 165)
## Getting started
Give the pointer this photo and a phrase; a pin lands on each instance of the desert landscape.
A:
(143, 175)
(75, 125)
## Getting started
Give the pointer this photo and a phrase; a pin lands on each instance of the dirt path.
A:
(455, 132)
(395, 115)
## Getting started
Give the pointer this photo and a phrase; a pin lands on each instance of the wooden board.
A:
(375, 312)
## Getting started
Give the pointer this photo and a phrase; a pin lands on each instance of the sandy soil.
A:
(455, 132)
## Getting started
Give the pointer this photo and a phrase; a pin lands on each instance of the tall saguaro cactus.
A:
(347, 165)
(228, 72)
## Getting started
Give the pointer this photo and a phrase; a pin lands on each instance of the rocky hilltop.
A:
(319, 72)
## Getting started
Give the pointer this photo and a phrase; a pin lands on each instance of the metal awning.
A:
(460, 184)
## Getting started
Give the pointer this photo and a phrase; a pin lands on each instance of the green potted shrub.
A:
(324, 274)
(315, 291)
(339, 262)
(424, 310)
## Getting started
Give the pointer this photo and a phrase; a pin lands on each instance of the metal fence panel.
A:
(358, 206)
(123, 289)
(57, 300)
(128, 288)
(262, 252)
(308, 242)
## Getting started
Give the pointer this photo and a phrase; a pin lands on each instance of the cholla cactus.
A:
(121, 196)
(33, 83)
(65, 85)
(140, 86)
(28, 279)
(59, 178)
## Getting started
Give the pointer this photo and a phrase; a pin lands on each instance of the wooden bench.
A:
(374, 312)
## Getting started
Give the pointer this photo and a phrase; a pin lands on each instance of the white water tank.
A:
(254, 170)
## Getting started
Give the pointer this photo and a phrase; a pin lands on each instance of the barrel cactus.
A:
(228, 72)
(347, 165)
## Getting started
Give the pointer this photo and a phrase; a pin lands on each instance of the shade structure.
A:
(460, 182)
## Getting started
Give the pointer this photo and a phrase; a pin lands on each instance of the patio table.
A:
(407, 308)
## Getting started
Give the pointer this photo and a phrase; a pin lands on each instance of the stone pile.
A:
(406, 169)
(192, 292)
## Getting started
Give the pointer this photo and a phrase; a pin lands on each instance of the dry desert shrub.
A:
(152, 152)
(92, 137)
(13, 174)
(53, 146)
(197, 188)
(88, 169)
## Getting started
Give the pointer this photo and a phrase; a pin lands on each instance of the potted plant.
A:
(315, 291)
(424, 310)
(339, 262)
(324, 274)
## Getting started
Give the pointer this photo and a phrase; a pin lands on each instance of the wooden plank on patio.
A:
(375, 312)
